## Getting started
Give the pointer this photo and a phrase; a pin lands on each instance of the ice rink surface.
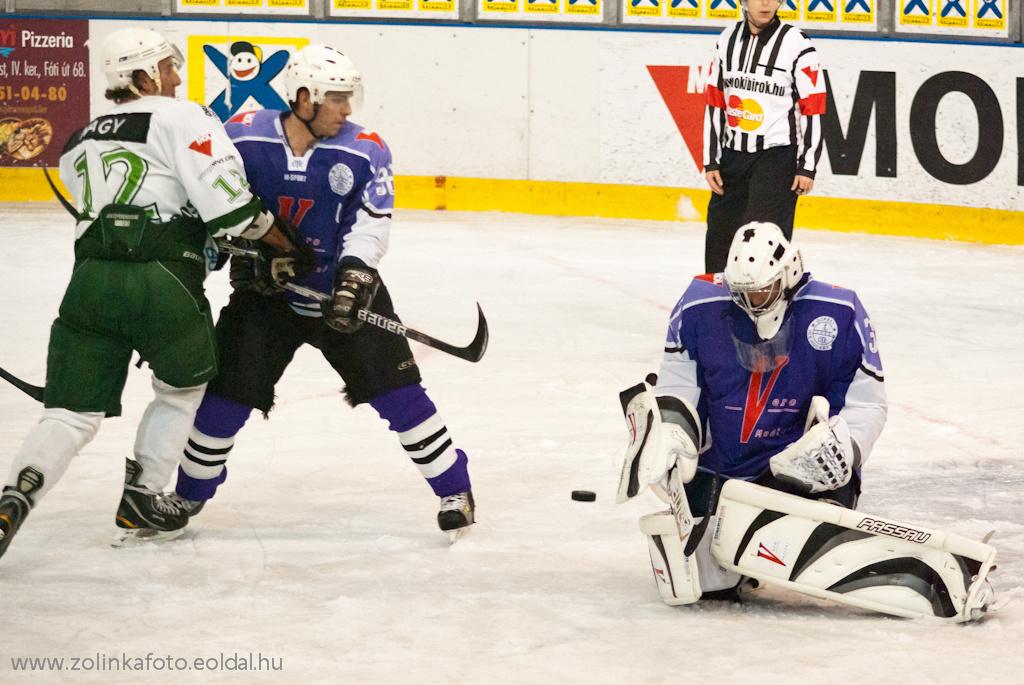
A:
(321, 553)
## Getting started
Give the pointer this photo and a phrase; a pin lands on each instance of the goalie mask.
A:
(128, 50)
(762, 273)
(321, 69)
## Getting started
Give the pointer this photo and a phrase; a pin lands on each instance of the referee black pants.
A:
(757, 188)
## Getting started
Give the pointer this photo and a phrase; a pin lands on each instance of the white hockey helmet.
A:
(321, 69)
(762, 270)
(128, 50)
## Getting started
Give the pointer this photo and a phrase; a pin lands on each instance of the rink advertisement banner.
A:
(834, 15)
(925, 123)
(43, 81)
(240, 72)
(397, 9)
(267, 7)
(568, 120)
(985, 18)
(542, 10)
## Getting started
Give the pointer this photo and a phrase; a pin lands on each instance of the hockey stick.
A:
(63, 200)
(472, 352)
(33, 391)
(36, 391)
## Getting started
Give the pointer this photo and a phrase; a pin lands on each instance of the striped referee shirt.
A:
(763, 91)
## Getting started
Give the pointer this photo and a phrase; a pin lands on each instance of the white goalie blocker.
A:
(831, 552)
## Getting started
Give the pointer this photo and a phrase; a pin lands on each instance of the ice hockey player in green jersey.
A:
(155, 181)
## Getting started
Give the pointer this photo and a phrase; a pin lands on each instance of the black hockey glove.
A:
(254, 273)
(355, 284)
(268, 271)
(299, 261)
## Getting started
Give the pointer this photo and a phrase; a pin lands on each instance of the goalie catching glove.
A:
(821, 460)
(355, 285)
(268, 271)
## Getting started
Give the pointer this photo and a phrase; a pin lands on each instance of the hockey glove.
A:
(298, 261)
(254, 273)
(355, 284)
(821, 460)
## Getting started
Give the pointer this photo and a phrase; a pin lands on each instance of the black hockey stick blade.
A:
(33, 391)
(63, 200)
(472, 352)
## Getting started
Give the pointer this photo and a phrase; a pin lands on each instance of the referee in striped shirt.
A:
(762, 126)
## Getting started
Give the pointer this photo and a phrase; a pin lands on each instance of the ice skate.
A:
(14, 508)
(457, 514)
(15, 503)
(191, 506)
(144, 515)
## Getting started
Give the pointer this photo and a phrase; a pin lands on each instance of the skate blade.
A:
(138, 536)
(456, 534)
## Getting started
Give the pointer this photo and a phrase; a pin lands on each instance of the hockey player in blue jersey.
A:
(749, 348)
(755, 357)
(769, 399)
(333, 179)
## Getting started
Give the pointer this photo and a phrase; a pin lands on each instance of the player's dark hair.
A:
(124, 93)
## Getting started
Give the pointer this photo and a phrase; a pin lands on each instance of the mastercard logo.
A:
(746, 114)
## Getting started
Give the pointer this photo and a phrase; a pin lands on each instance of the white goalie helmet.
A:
(128, 50)
(762, 270)
(322, 69)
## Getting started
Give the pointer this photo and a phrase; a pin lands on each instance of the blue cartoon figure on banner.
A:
(248, 76)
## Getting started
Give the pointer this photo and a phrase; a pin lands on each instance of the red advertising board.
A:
(44, 88)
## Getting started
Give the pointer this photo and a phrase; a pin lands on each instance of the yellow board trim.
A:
(942, 222)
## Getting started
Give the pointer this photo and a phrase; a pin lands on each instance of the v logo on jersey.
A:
(203, 145)
(766, 553)
(757, 400)
(285, 204)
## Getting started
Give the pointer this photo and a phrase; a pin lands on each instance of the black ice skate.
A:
(144, 515)
(14, 508)
(15, 503)
(191, 506)
(457, 514)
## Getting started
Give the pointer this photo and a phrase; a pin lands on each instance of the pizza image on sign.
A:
(27, 138)
(7, 127)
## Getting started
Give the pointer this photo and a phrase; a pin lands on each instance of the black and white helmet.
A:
(321, 69)
(129, 50)
(762, 271)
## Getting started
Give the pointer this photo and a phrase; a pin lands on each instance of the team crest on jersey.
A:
(822, 332)
(341, 179)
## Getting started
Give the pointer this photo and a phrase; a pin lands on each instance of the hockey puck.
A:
(583, 495)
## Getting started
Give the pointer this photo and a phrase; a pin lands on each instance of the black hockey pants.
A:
(757, 188)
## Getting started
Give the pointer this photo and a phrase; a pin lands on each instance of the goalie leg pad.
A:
(676, 575)
(827, 551)
(682, 579)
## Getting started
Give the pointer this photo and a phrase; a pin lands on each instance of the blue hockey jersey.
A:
(753, 396)
(340, 194)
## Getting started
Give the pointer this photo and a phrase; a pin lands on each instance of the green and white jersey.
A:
(169, 157)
